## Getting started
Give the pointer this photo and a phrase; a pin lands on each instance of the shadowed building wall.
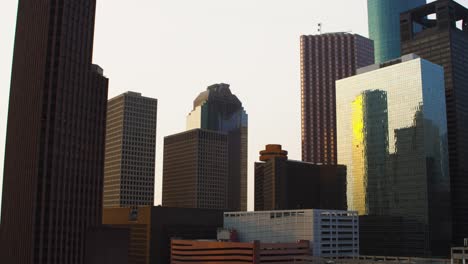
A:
(54, 153)
(443, 43)
(152, 228)
(282, 184)
(107, 245)
(326, 58)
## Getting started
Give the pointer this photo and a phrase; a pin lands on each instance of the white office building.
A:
(331, 233)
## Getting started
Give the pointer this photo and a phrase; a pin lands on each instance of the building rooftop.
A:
(377, 66)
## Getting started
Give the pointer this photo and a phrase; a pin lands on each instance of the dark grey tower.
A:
(441, 42)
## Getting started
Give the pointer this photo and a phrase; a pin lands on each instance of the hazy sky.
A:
(173, 49)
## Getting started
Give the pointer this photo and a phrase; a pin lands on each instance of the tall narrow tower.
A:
(130, 151)
(54, 155)
(384, 26)
(326, 58)
(219, 110)
(443, 43)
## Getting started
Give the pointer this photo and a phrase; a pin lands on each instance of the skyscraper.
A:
(217, 109)
(54, 157)
(444, 41)
(196, 170)
(392, 136)
(384, 25)
(130, 150)
(324, 59)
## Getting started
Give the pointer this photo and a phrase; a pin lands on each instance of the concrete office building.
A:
(326, 58)
(153, 227)
(255, 252)
(459, 255)
(384, 26)
(444, 41)
(130, 151)
(282, 184)
(54, 151)
(195, 170)
(330, 232)
(392, 136)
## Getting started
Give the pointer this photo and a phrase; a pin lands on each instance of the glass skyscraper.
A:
(384, 25)
(392, 136)
(217, 109)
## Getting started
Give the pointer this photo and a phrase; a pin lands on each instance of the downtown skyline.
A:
(263, 68)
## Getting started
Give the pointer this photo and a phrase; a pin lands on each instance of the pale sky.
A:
(173, 49)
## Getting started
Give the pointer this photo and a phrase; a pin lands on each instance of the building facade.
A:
(282, 184)
(54, 153)
(326, 58)
(392, 136)
(107, 245)
(152, 228)
(130, 150)
(183, 251)
(196, 170)
(384, 26)
(217, 109)
(444, 41)
(330, 232)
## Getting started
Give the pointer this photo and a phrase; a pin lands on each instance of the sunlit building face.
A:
(392, 136)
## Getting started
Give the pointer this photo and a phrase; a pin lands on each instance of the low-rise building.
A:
(153, 227)
(193, 251)
(330, 232)
(460, 254)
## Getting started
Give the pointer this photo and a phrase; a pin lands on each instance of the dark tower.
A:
(54, 155)
(324, 59)
(282, 184)
(441, 42)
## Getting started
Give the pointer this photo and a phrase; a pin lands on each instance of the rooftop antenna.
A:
(319, 25)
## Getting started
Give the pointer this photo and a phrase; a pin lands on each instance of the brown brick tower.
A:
(326, 58)
(54, 155)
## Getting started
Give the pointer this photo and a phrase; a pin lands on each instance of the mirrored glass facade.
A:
(384, 25)
(392, 136)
